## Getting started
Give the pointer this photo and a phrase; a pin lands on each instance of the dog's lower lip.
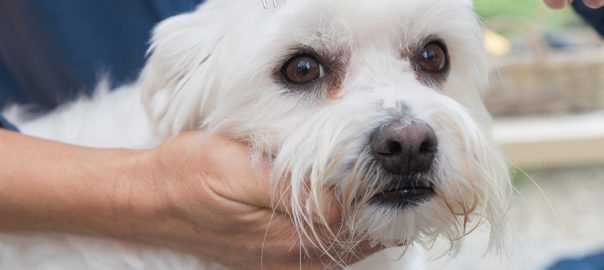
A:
(404, 197)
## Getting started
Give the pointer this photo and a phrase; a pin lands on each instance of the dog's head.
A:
(377, 101)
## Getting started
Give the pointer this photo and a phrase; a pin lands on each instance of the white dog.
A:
(378, 100)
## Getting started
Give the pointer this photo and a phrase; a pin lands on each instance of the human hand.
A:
(219, 207)
(204, 198)
(559, 4)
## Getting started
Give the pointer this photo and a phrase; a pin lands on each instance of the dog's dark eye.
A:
(432, 58)
(302, 70)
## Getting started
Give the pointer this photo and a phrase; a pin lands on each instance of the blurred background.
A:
(547, 98)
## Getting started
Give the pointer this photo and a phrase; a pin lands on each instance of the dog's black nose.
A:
(405, 148)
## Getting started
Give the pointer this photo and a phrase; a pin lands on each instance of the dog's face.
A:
(377, 101)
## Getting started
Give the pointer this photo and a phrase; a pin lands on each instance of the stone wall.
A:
(549, 84)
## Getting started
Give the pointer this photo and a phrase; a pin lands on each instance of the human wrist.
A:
(137, 207)
(198, 212)
(105, 194)
(55, 187)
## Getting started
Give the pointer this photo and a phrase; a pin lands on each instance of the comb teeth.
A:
(275, 3)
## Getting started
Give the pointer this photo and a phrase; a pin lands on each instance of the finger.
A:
(594, 3)
(350, 256)
(324, 209)
(246, 180)
(250, 183)
(557, 4)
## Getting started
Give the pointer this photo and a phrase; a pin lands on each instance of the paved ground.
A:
(572, 227)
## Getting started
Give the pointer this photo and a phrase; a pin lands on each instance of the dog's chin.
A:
(398, 210)
(404, 198)
(404, 193)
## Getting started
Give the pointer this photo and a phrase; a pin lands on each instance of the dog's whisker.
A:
(265, 238)
(547, 201)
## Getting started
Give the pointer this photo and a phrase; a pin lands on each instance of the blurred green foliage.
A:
(510, 17)
(520, 178)
(519, 9)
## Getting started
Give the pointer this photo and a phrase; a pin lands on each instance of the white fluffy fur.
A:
(213, 69)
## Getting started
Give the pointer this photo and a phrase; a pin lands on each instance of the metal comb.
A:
(275, 3)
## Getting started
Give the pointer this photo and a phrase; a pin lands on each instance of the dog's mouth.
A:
(404, 196)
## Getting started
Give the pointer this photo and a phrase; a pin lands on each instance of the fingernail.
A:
(556, 4)
(594, 3)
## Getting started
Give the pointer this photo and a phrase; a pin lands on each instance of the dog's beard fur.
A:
(466, 179)
(215, 69)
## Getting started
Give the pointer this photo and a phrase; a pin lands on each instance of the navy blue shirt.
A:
(595, 17)
(6, 125)
(54, 50)
(592, 262)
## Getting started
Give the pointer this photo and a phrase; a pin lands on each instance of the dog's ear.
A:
(177, 78)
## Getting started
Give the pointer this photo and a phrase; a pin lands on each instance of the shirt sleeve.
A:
(55, 51)
(594, 17)
(4, 124)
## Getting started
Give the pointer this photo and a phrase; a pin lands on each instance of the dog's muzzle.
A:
(405, 151)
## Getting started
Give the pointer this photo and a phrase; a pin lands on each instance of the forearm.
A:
(109, 193)
(57, 187)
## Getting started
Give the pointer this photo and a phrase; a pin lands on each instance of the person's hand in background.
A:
(559, 4)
